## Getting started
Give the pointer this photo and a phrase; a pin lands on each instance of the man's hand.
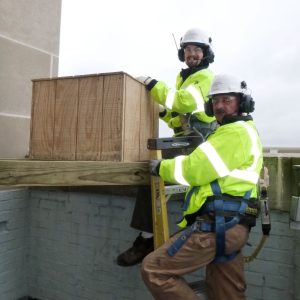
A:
(154, 165)
(161, 108)
(144, 79)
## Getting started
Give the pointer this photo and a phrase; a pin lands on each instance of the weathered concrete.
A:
(282, 179)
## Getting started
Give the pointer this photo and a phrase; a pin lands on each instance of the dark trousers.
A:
(142, 213)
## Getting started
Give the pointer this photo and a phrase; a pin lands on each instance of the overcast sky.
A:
(257, 41)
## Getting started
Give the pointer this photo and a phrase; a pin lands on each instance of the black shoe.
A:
(134, 255)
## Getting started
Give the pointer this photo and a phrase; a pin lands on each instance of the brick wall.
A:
(62, 245)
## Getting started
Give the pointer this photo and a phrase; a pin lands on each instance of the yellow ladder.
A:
(159, 206)
(161, 193)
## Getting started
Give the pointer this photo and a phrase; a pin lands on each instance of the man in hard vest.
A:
(183, 110)
(221, 204)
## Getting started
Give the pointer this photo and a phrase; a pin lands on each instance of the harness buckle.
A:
(203, 224)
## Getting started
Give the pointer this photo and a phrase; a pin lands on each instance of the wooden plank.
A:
(72, 173)
(155, 119)
(112, 121)
(84, 75)
(42, 120)
(89, 118)
(132, 120)
(65, 119)
(107, 117)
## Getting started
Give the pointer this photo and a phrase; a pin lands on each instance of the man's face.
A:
(225, 105)
(192, 55)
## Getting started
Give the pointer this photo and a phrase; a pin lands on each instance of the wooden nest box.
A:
(106, 117)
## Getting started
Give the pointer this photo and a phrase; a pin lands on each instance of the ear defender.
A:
(181, 54)
(247, 104)
(208, 108)
(208, 54)
(246, 101)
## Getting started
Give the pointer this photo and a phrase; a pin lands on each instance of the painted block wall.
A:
(76, 238)
(14, 244)
(62, 245)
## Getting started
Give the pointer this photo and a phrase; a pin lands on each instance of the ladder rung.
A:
(175, 189)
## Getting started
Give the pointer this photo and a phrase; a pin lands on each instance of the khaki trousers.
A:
(162, 274)
(226, 281)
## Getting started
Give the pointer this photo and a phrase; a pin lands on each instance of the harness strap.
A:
(188, 198)
(198, 225)
(218, 206)
(221, 225)
(231, 206)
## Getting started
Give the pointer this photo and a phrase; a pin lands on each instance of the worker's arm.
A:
(228, 149)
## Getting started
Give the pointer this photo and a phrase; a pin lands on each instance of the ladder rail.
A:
(160, 194)
(159, 207)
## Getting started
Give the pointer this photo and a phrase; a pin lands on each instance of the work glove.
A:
(154, 165)
(144, 79)
(161, 108)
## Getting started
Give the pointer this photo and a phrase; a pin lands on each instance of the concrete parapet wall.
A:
(282, 179)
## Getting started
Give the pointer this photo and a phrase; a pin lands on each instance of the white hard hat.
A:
(225, 83)
(195, 35)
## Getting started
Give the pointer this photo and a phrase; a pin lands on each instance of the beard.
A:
(191, 62)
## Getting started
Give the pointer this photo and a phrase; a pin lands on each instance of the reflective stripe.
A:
(170, 99)
(197, 97)
(254, 149)
(249, 174)
(196, 94)
(178, 170)
(215, 159)
(246, 175)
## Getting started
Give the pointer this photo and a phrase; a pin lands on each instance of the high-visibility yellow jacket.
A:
(232, 155)
(189, 97)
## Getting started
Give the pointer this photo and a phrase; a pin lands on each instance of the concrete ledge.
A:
(283, 183)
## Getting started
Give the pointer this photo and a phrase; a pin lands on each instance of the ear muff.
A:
(209, 55)
(246, 104)
(208, 108)
(181, 54)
